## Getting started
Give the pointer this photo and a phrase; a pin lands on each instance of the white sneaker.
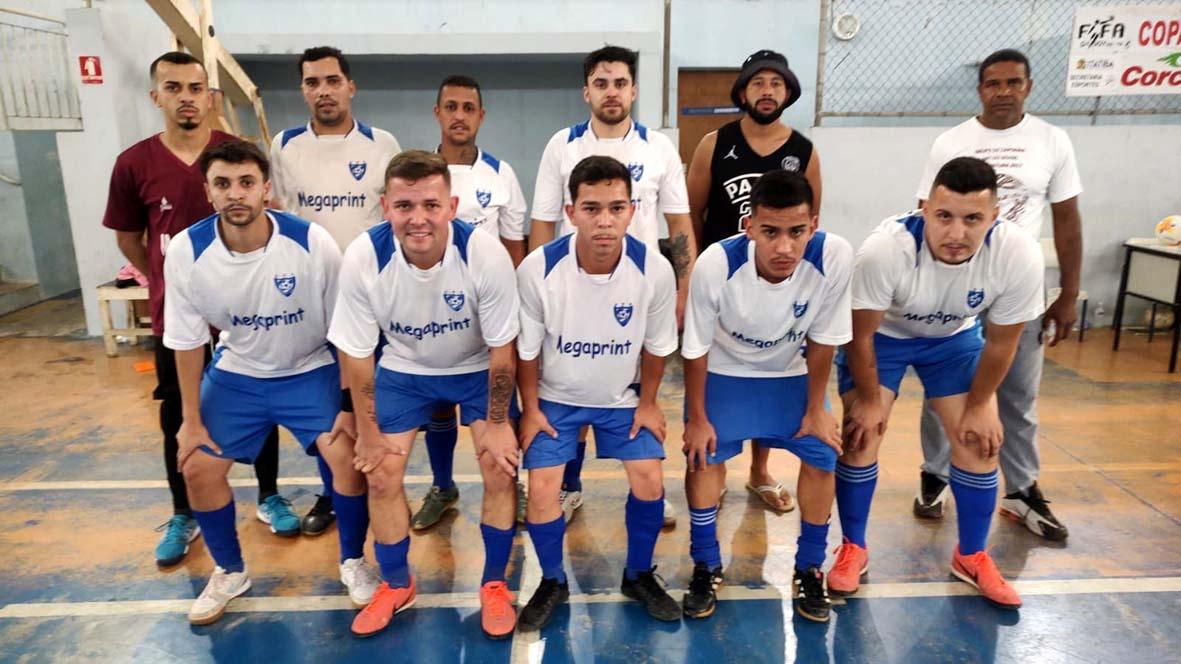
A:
(223, 586)
(570, 502)
(361, 580)
(670, 514)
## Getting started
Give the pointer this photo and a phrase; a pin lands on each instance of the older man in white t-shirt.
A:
(1036, 170)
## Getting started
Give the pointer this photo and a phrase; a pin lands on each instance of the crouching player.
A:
(445, 298)
(767, 309)
(268, 281)
(921, 281)
(598, 309)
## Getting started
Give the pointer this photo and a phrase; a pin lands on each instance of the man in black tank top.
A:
(724, 168)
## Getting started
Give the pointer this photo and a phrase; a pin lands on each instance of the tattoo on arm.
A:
(679, 248)
(500, 393)
(370, 400)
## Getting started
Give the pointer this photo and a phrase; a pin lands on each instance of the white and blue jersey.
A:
(925, 298)
(334, 180)
(437, 322)
(658, 180)
(589, 329)
(754, 328)
(490, 197)
(272, 305)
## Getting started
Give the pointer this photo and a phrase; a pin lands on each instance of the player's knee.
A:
(813, 475)
(647, 482)
(385, 483)
(544, 488)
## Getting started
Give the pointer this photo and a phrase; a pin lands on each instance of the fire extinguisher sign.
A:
(91, 68)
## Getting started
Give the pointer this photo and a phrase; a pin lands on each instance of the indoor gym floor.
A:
(81, 490)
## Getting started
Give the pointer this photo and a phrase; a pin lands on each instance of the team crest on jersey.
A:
(975, 297)
(357, 169)
(623, 314)
(483, 197)
(790, 163)
(454, 299)
(285, 283)
(636, 169)
(800, 308)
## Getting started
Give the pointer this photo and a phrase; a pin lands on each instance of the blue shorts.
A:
(239, 411)
(945, 365)
(611, 427)
(766, 409)
(406, 401)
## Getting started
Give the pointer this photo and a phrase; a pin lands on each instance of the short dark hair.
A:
(609, 54)
(319, 53)
(460, 81)
(414, 165)
(598, 169)
(779, 190)
(175, 58)
(965, 175)
(235, 152)
(1004, 55)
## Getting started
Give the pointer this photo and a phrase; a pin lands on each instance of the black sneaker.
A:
(1033, 511)
(932, 498)
(702, 597)
(810, 596)
(648, 589)
(540, 609)
(319, 518)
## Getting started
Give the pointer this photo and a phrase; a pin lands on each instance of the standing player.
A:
(329, 171)
(598, 313)
(445, 298)
(155, 193)
(725, 166)
(754, 300)
(490, 199)
(1035, 163)
(268, 280)
(920, 283)
(658, 188)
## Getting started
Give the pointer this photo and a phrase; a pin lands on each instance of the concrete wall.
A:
(45, 206)
(16, 244)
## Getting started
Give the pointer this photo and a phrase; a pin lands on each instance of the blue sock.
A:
(547, 541)
(703, 537)
(498, 544)
(441, 435)
(391, 558)
(810, 545)
(975, 498)
(855, 487)
(221, 537)
(325, 475)
(352, 524)
(572, 476)
(644, 519)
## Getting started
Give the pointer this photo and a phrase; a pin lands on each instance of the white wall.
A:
(871, 173)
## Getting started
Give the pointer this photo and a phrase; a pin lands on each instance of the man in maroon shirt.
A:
(156, 192)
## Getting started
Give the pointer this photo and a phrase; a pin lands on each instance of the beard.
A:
(765, 118)
(601, 115)
(240, 218)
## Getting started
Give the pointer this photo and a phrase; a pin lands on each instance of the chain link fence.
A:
(919, 58)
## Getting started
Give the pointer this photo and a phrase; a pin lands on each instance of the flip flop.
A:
(776, 489)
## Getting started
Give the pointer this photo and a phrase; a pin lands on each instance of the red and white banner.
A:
(1132, 50)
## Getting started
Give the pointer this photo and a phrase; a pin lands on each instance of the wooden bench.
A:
(140, 326)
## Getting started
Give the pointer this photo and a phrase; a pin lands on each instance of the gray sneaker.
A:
(434, 506)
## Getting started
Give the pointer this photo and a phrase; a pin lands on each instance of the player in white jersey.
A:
(1037, 176)
(267, 280)
(329, 171)
(444, 297)
(920, 283)
(490, 199)
(658, 188)
(598, 317)
(767, 309)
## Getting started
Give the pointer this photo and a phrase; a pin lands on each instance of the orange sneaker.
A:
(381, 609)
(852, 563)
(498, 618)
(980, 572)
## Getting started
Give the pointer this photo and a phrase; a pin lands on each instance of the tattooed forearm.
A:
(369, 400)
(500, 393)
(679, 248)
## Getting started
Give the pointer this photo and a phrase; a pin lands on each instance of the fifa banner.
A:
(1125, 51)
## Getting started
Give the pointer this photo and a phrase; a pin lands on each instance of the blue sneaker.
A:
(174, 545)
(276, 512)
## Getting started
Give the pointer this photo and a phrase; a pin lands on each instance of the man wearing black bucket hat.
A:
(725, 166)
